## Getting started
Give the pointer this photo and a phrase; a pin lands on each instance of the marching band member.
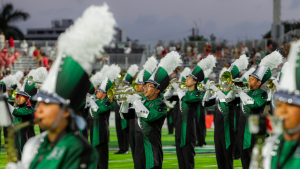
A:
(282, 150)
(62, 93)
(151, 113)
(100, 116)
(224, 113)
(254, 102)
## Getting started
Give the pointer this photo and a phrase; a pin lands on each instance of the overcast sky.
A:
(152, 20)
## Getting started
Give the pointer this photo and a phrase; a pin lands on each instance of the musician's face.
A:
(289, 113)
(48, 113)
(254, 83)
(101, 95)
(190, 81)
(140, 88)
(149, 89)
(21, 100)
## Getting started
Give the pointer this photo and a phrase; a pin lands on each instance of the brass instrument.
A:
(182, 85)
(12, 152)
(271, 85)
(38, 84)
(226, 80)
(111, 93)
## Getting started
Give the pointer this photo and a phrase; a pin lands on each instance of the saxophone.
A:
(12, 152)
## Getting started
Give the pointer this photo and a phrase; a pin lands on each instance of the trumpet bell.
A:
(271, 85)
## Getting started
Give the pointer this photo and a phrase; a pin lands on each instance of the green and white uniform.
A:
(148, 149)
(21, 115)
(100, 131)
(60, 153)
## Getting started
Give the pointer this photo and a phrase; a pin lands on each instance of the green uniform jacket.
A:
(148, 134)
(223, 118)
(293, 161)
(68, 151)
(100, 125)
(189, 103)
(260, 97)
(23, 114)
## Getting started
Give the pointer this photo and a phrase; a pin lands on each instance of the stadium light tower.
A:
(277, 27)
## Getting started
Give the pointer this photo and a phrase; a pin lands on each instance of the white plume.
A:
(241, 63)
(272, 60)
(140, 76)
(150, 64)
(207, 72)
(133, 69)
(186, 71)
(96, 79)
(104, 70)
(31, 72)
(39, 74)
(113, 73)
(208, 63)
(170, 62)
(89, 34)
(9, 80)
(18, 76)
(246, 74)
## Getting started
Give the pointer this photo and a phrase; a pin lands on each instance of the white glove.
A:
(169, 93)
(245, 98)
(124, 107)
(137, 96)
(140, 109)
(94, 106)
(175, 86)
(213, 88)
(131, 99)
(230, 96)
(180, 93)
(169, 104)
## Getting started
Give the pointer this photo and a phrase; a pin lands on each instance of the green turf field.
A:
(207, 160)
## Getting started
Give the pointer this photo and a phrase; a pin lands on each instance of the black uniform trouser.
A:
(90, 123)
(185, 156)
(236, 148)
(223, 155)
(200, 129)
(170, 122)
(121, 134)
(131, 135)
(22, 137)
(102, 149)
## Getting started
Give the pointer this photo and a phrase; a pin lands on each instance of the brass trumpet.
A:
(226, 80)
(182, 85)
(12, 153)
(38, 84)
(271, 85)
(111, 93)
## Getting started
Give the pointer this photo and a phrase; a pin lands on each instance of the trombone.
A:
(111, 94)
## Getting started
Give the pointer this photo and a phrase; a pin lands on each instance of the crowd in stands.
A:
(9, 55)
